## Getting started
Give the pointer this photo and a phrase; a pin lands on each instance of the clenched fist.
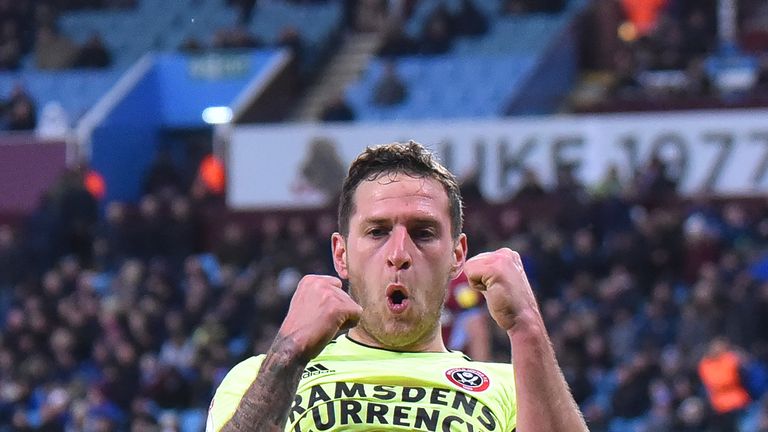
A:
(501, 277)
(319, 309)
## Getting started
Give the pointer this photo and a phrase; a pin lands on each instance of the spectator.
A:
(234, 248)
(396, 41)
(632, 399)
(93, 54)
(10, 45)
(514, 7)
(574, 212)
(290, 38)
(244, 10)
(437, 36)
(471, 190)
(12, 265)
(22, 116)
(45, 15)
(611, 185)
(151, 235)
(549, 6)
(78, 215)
(370, 15)
(94, 183)
(643, 14)
(530, 186)
(234, 37)
(211, 176)
(719, 371)
(469, 20)
(698, 37)
(464, 321)
(691, 415)
(20, 111)
(54, 51)
(115, 237)
(191, 45)
(241, 37)
(162, 175)
(337, 110)
(184, 232)
(655, 184)
(390, 90)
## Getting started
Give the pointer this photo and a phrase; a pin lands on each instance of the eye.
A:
(377, 232)
(423, 234)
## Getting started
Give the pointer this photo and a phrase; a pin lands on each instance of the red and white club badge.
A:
(468, 379)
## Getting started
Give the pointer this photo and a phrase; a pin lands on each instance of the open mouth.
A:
(397, 298)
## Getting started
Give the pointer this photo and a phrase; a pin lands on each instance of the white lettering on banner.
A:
(722, 152)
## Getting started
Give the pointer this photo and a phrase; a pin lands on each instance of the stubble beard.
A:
(403, 331)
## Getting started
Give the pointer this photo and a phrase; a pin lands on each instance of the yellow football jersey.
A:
(353, 387)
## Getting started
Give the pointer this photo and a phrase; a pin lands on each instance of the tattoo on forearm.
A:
(265, 405)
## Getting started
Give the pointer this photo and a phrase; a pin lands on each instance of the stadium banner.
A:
(721, 152)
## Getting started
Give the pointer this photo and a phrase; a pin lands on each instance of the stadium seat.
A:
(447, 86)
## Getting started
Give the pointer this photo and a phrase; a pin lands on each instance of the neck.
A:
(432, 343)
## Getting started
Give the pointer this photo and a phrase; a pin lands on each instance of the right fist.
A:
(319, 309)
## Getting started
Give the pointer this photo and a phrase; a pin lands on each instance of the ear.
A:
(339, 250)
(459, 256)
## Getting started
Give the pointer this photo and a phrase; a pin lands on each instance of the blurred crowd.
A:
(18, 112)
(30, 27)
(655, 54)
(122, 316)
(127, 317)
(660, 54)
(442, 26)
(666, 54)
(656, 305)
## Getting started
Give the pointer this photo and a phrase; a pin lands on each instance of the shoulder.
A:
(249, 364)
(243, 373)
(230, 391)
(496, 368)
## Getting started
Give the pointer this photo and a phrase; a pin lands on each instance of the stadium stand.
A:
(154, 26)
(674, 55)
(76, 91)
(171, 302)
(510, 58)
(427, 78)
(124, 315)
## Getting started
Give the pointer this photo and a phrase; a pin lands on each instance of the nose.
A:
(399, 255)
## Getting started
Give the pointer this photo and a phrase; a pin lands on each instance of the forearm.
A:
(265, 405)
(544, 402)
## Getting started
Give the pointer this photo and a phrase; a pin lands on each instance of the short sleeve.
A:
(230, 392)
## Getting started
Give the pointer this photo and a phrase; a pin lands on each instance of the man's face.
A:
(398, 257)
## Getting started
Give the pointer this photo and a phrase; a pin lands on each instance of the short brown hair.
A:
(409, 158)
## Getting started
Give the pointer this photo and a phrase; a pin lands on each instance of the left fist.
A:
(501, 277)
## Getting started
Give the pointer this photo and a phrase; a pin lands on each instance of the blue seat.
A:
(479, 77)
(159, 25)
(445, 86)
